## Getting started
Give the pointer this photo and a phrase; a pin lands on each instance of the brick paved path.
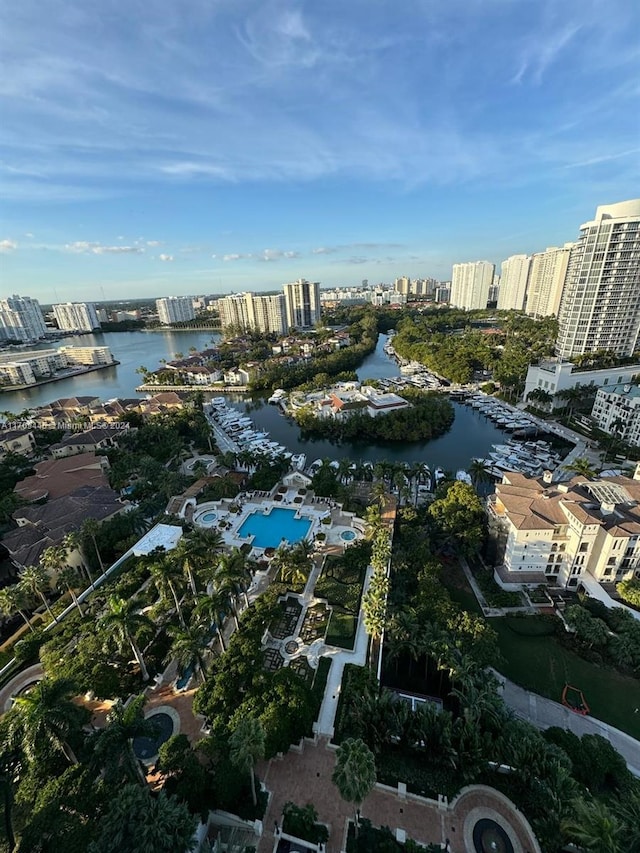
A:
(305, 777)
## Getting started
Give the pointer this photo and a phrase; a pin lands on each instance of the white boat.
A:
(439, 475)
(299, 460)
(463, 477)
(278, 394)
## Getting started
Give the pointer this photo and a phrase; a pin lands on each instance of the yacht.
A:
(299, 460)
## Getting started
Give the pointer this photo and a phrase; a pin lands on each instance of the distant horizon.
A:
(242, 146)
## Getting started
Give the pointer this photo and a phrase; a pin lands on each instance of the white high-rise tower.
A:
(470, 284)
(303, 303)
(76, 316)
(514, 277)
(600, 307)
(546, 280)
(21, 319)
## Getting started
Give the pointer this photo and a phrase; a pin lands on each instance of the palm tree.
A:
(188, 647)
(35, 580)
(165, 571)
(90, 528)
(124, 623)
(539, 395)
(72, 542)
(138, 820)
(479, 472)
(68, 579)
(355, 773)
(54, 558)
(234, 568)
(246, 747)
(15, 599)
(344, 469)
(113, 750)
(45, 718)
(195, 552)
(593, 827)
(582, 466)
(212, 610)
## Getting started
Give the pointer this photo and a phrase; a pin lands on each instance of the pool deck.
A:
(306, 505)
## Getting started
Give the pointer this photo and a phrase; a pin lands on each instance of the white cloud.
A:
(234, 256)
(29, 235)
(83, 247)
(277, 254)
(7, 246)
(153, 243)
(166, 257)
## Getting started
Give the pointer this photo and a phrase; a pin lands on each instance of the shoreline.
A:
(187, 389)
(89, 369)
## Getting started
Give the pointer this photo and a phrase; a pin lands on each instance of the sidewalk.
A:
(544, 713)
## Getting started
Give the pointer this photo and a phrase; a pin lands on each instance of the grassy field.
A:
(540, 663)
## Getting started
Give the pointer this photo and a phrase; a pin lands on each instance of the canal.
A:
(471, 434)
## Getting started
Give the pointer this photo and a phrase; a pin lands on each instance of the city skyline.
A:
(233, 149)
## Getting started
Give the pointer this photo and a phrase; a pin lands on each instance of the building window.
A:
(584, 547)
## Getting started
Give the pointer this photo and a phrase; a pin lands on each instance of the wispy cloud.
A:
(7, 246)
(604, 158)
(82, 247)
(164, 257)
(541, 52)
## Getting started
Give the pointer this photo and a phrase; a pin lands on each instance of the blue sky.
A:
(197, 146)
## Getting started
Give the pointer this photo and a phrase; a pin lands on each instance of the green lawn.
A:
(541, 664)
(342, 629)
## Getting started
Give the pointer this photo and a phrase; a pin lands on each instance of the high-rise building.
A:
(402, 285)
(514, 277)
(21, 319)
(547, 277)
(600, 305)
(303, 303)
(175, 309)
(470, 284)
(76, 316)
(247, 311)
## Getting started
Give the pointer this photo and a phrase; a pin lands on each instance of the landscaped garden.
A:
(340, 583)
(563, 784)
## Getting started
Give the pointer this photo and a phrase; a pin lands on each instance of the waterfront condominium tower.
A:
(175, 309)
(600, 306)
(302, 300)
(21, 319)
(248, 311)
(76, 316)
(514, 277)
(470, 284)
(546, 280)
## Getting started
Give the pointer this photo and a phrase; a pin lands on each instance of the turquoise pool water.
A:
(270, 529)
(208, 516)
(348, 535)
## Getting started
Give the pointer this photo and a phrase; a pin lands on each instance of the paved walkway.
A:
(22, 679)
(304, 776)
(544, 713)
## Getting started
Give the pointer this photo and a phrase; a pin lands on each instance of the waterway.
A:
(471, 434)
(131, 349)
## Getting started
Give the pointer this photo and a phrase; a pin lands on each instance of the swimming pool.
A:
(269, 529)
(148, 747)
(208, 517)
(347, 535)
